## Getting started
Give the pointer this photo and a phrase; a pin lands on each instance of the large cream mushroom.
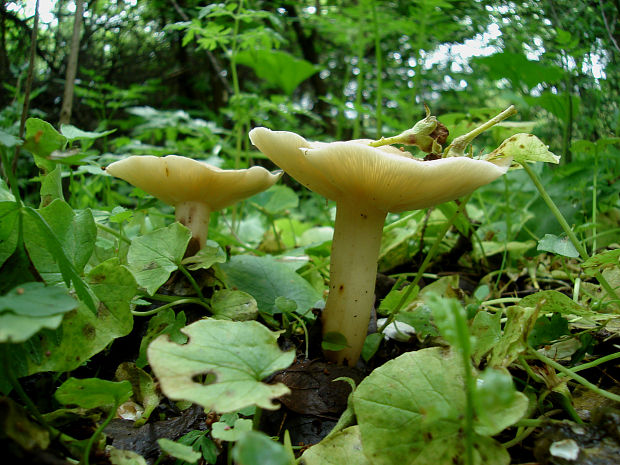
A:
(194, 188)
(366, 182)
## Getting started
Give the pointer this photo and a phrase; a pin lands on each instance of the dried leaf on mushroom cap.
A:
(174, 179)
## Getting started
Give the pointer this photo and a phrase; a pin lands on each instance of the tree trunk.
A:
(67, 101)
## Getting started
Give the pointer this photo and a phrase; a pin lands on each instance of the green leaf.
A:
(277, 199)
(547, 330)
(9, 229)
(31, 307)
(520, 321)
(165, 322)
(51, 186)
(280, 69)
(93, 392)
(497, 403)
(41, 140)
(60, 242)
(234, 305)
(72, 133)
(334, 341)
(344, 447)
(256, 448)
(233, 355)
(524, 148)
(601, 261)
(178, 451)
(371, 345)
(553, 301)
(410, 411)
(206, 257)
(154, 256)
(114, 287)
(220, 430)
(486, 330)
(266, 279)
(557, 245)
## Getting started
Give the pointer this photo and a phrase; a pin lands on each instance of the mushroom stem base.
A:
(353, 272)
(195, 216)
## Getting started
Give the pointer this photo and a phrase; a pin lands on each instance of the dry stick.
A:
(33, 44)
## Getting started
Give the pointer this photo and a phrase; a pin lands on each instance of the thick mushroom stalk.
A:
(194, 188)
(367, 182)
(353, 271)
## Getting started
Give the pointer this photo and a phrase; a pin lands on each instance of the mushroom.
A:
(367, 182)
(194, 188)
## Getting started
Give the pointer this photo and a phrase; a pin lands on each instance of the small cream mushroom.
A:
(194, 188)
(366, 183)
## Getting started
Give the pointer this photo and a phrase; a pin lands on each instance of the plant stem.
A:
(353, 271)
(594, 363)
(567, 229)
(98, 431)
(170, 305)
(575, 377)
(470, 383)
(457, 147)
(192, 281)
(113, 232)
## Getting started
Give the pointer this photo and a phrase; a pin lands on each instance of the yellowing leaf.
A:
(233, 356)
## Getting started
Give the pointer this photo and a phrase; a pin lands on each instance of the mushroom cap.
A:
(174, 179)
(384, 177)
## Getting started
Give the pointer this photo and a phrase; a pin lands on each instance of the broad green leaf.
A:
(410, 411)
(60, 242)
(524, 148)
(556, 104)
(553, 301)
(520, 321)
(598, 262)
(256, 448)
(486, 330)
(371, 345)
(206, 257)
(497, 403)
(179, 451)
(31, 307)
(9, 217)
(266, 279)
(334, 341)
(164, 322)
(72, 133)
(51, 186)
(277, 199)
(41, 140)
(234, 305)
(114, 287)
(154, 256)
(548, 329)
(518, 69)
(93, 392)
(280, 69)
(557, 245)
(234, 356)
(220, 430)
(344, 447)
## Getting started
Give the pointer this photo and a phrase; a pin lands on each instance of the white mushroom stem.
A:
(353, 272)
(195, 216)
